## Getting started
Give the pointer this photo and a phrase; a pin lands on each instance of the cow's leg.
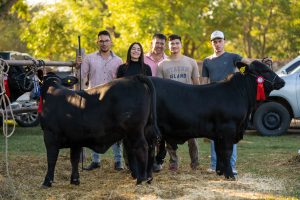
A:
(74, 157)
(52, 154)
(152, 141)
(140, 151)
(131, 158)
(219, 164)
(227, 152)
(151, 152)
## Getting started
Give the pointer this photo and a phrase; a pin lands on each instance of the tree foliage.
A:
(13, 14)
(253, 28)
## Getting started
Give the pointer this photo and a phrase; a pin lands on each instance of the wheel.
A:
(272, 119)
(27, 119)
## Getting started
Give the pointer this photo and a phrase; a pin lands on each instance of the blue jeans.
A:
(213, 157)
(96, 157)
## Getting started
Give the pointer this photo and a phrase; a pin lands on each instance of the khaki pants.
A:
(193, 151)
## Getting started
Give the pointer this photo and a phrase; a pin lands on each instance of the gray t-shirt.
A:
(183, 69)
(218, 68)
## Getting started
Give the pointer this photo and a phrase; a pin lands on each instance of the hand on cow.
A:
(268, 61)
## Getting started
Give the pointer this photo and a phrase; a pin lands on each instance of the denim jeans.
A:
(116, 150)
(213, 157)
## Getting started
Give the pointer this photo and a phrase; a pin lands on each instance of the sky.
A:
(32, 2)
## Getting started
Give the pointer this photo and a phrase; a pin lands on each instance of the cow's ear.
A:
(243, 67)
(69, 81)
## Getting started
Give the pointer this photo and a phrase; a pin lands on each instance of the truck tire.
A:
(30, 119)
(272, 119)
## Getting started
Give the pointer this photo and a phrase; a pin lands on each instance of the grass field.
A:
(269, 168)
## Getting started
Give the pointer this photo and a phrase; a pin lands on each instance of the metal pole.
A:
(21, 110)
(79, 53)
(31, 62)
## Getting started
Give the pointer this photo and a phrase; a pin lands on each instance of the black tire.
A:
(28, 119)
(272, 119)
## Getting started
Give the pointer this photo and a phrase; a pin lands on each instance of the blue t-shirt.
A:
(218, 68)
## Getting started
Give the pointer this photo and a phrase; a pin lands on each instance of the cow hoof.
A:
(133, 175)
(231, 178)
(219, 172)
(47, 183)
(75, 181)
(149, 180)
(43, 186)
(139, 182)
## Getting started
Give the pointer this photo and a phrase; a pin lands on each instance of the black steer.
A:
(97, 118)
(218, 111)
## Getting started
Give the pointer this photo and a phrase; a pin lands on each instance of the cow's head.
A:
(256, 69)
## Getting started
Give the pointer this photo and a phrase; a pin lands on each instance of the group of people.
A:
(104, 65)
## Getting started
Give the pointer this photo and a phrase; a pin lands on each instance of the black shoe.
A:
(92, 166)
(118, 166)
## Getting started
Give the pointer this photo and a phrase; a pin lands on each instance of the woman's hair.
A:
(141, 58)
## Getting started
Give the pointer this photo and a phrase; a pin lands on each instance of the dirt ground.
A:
(28, 172)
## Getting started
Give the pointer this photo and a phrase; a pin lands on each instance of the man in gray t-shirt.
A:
(216, 68)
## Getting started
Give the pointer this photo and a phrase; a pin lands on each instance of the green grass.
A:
(26, 141)
(261, 156)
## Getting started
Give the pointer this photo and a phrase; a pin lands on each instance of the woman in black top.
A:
(134, 65)
(135, 62)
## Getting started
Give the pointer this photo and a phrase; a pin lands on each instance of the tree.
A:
(52, 32)
(13, 14)
(252, 28)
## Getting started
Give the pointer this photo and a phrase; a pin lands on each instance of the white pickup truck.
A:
(273, 117)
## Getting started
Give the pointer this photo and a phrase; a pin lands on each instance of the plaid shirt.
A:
(95, 70)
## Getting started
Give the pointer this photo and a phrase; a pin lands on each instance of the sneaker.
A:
(173, 167)
(92, 166)
(157, 167)
(211, 171)
(118, 166)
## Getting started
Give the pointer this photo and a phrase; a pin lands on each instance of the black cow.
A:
(218, 111)
(97, 118)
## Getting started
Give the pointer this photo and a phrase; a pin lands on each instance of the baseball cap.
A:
(217, 34)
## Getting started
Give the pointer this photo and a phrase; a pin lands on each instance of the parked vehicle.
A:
(273, 117)
(28, 119)
(29, 99)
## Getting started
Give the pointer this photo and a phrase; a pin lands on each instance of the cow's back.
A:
(90, 116)
(187, 110)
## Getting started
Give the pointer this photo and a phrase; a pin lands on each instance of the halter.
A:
(271, 82)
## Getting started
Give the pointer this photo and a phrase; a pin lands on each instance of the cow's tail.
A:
(153, 116)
